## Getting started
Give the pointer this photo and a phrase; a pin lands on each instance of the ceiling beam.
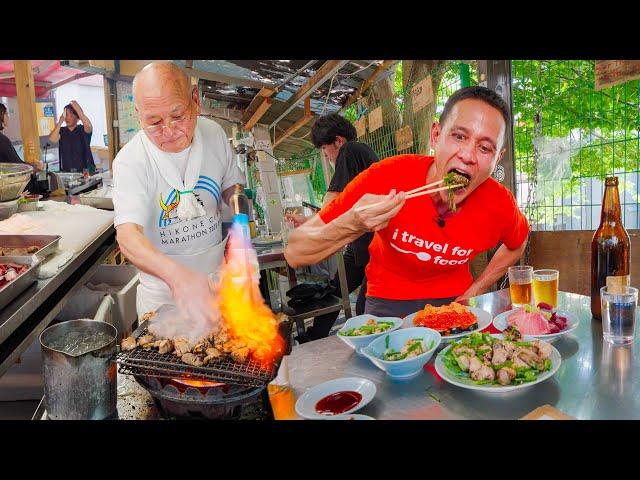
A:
(229, 80)
(294, 128)
(226, 98)
(257, 115)
(329, 68)
(257, 102)
(230, 114)
(368, 82)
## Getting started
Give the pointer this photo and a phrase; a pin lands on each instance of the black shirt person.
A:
(8, 154)
(74, 140)
(336, 139)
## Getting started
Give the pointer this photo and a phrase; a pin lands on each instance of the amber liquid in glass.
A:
(610, 255)
(282, 401)
(546, 291)
(520, 293)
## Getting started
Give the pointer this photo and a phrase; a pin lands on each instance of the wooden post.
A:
(27, 107)
(110, 107)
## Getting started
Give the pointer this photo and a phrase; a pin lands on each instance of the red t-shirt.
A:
(413, 257)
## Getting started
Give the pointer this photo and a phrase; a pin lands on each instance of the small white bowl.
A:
(306, 404)
(359, 341)
(351, 416)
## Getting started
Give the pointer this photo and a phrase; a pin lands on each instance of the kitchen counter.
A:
(595, 380)
(22, 321)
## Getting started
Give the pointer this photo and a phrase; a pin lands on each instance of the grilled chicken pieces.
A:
(182, 346)
(204, 352)
(192, 359)
(128, 344)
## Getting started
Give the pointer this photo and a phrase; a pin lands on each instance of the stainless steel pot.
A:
(14, 177)
(82, 386)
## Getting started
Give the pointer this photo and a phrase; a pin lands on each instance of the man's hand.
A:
(296, 218)
(61, 119)
(194, 296)
(377, 217)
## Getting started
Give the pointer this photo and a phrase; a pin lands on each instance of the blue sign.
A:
(48, 111)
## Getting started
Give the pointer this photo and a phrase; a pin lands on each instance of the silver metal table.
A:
(595, 380)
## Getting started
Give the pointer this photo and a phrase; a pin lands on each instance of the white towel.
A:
(51, 266)
(188, 207)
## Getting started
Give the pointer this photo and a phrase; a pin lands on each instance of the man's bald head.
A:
(167, 105)
(160, 78)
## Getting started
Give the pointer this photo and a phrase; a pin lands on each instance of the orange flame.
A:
(241, 305)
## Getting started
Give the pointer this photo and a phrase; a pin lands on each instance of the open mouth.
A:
(459, 177)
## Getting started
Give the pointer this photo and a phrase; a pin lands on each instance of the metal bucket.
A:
(79, 387)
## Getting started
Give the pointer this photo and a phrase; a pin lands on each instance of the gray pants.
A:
(401, 308)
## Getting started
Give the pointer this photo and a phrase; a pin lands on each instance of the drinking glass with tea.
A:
(545, 287)
(520, 280)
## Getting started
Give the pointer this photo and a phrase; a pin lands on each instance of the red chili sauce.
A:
(338, 402)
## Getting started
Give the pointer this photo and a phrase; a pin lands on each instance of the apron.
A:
(153, 292)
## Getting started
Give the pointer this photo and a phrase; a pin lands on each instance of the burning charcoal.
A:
(163, 346)
(145, 340)
(182, 346)
(191, 359)
(240, 354)
(128, 343)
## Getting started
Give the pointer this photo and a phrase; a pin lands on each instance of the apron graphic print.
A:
(169, 206)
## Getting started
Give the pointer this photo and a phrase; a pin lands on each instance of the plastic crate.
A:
(121, 283)
(124, 312)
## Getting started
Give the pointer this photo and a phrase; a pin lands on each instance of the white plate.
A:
(306, 404)
(353, 416)
(555, 357)
(484, 320)
(500, 322)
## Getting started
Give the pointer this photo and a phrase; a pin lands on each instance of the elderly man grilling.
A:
(169, 184)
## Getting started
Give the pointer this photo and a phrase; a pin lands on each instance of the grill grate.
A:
(152, 364)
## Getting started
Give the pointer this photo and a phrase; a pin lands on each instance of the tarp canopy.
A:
(47, 74)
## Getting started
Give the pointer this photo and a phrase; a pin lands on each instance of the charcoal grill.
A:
(214, 402)
(150, 363)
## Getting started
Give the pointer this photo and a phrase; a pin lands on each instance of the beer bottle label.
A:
(615, 283)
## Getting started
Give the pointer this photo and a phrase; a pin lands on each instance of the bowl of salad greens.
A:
(403, 353)
(359, 331)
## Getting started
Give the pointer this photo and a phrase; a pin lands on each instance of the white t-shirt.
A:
(138, 188)
(181, 159)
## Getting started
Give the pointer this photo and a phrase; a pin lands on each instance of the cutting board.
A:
(77, 228)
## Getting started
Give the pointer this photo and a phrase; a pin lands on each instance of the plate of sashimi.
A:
(540, 321)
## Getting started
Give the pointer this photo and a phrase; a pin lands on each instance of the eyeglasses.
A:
(156, 130)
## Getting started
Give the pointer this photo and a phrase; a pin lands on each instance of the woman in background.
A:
(8, 154)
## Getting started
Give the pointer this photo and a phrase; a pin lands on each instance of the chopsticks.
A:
(416, 192)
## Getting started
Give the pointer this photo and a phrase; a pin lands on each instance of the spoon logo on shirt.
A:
(461, 255)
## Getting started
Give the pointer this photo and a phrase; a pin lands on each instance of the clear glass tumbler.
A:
(520, 280)
(619, 306)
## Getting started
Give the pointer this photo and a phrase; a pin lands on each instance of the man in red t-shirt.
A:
(422, 248)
